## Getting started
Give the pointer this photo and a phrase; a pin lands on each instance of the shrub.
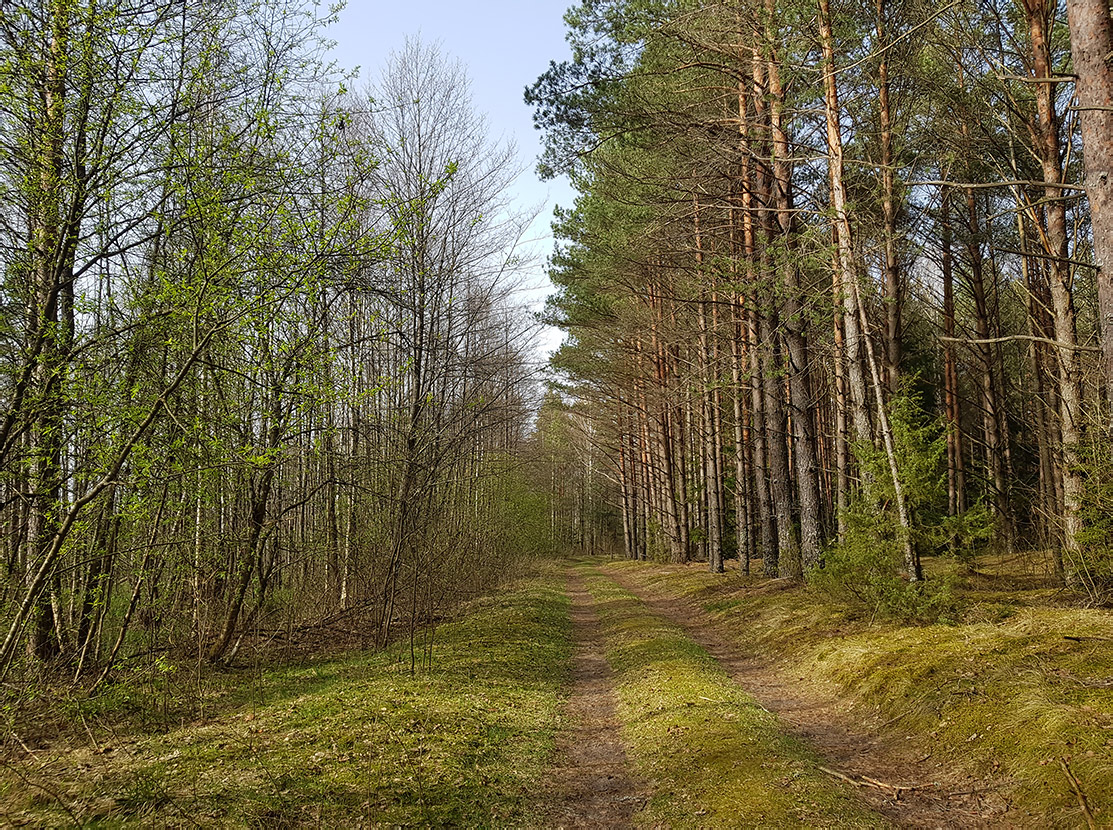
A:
(864, 568)
(864, 571)
(1091, 567)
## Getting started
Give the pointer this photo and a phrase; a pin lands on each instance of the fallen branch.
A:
(989, 341)
(26, 748)
(1081, 796)
(895, 718)
(866, 781)
(89, 732)
(979, 791)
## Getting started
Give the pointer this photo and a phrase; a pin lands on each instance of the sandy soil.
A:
(591, 784)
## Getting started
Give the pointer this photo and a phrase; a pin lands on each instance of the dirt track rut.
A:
(911, 788)
(591, 784)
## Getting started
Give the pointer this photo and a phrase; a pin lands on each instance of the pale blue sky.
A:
(504, 46)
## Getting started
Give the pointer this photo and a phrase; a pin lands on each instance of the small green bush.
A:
(864, 571)
(1091, 567)
(865, 568)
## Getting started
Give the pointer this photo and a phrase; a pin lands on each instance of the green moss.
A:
(1015, 696)
(348, 742)
(714, 756)
(1018, 686)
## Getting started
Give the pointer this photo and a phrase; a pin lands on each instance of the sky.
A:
(504, 45)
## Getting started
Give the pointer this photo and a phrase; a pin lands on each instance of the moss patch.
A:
(716, 758)
(349, 742)
(1010, 692)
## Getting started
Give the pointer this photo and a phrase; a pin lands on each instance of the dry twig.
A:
(1081, 796)
(865, 781)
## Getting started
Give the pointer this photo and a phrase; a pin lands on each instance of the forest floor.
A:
(1002, 717)
(591, 783)
(908, 786)
(613, 694)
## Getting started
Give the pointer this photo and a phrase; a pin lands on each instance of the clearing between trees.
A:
(603, 693)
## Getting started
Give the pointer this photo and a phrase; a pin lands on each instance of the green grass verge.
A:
(1008, 697)
(714, 757)
(349, 742)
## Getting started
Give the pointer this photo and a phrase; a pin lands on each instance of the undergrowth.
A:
(866, 568)
(355, 741)
(714, 756)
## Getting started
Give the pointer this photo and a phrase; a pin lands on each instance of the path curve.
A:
(940, 798)
(591, 784)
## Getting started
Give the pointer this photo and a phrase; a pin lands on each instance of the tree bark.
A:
(1056, 244)
(850, 286)
(894, 293)
(1091, 35)
(956, 468)
(709, 438)
(846, 277)
(796, 342)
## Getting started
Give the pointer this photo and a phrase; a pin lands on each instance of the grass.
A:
(1016, 688)
(715, 758)
(353, 742)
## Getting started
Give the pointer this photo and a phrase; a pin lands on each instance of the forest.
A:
(807, 521)
(259, 359)
(834, 279)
